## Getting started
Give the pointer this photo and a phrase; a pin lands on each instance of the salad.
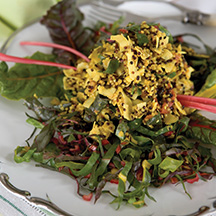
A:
(118, 114)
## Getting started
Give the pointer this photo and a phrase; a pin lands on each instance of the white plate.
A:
(171, 199)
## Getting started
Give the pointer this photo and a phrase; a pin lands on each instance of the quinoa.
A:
(145, 82)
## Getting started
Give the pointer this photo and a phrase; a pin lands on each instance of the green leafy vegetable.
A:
(64, 23)
(43, 113)
(121, 130)
(170, 164)
(43, 138)
(103, 164)
(209, 87)
(23, 81)
(155, 122)
(122, 181)
(163, 29)
(136, 154)
(112, 67)
(88, 166)
(203, 64)
(22, 154)
(202, 129)
(35, 123)
(142, 140)
(142, 38)
(91, 112)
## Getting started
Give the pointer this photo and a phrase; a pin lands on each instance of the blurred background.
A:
(16, 13)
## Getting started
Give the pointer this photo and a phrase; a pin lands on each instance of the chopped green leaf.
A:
(35, 123)
(170, 164)
(163, 29)
(142, 39)
(98, 105)
(112, 67)
(173, 74)
(23, 154)
(121, 129)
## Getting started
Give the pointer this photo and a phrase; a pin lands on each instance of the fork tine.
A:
(101, 17)
(106, 7)
(104, 13)
(94, 17)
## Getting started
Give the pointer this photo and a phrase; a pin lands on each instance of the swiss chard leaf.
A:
(24, 80)
(130, 154)
(95, 109)
(64, 23)
(112, 67)
(22, 154)
(121, 129)
(135, 124)
(203, 64)
(42, 112)
(155, 121)
(89, 115)
(133, 27)
(48, 155)
(170, 164)
(202, 129)
(35, 123)
(43, 138)
(142, 38)
(209, 87)
(113, 29)
(88, 166)
(142, 140)
(182, 125)
(167, 33)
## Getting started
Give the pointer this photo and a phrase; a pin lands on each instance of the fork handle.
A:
(211, 21)
(199, 18)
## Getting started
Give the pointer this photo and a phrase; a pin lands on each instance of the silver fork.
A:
(100, 11)
(118, 2)
(108, 13)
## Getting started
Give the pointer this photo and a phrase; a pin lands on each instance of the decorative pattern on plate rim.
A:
(32, 201)
(4, 179)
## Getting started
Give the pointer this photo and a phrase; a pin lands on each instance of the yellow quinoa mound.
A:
(145, 82)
